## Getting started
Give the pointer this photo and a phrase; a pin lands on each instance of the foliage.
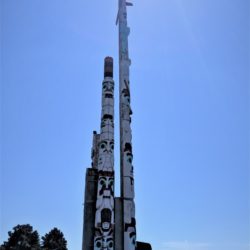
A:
(54, 240)
(22, 237)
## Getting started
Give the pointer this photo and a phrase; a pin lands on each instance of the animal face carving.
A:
(106, 146)
(107, 120)
(106, 186)
(108, 89)
(104, 243)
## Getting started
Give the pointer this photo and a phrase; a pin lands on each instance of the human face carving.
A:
(108, 89)
(107, 120)
(106, 146)
(106, 219)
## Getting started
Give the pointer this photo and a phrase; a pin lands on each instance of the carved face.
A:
(108, 89)
(107, 120)
(104, 243)
(106, 146)
(106, 219)
(106, 186)
(130, 234)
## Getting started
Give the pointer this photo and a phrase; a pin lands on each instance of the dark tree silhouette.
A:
(54, 240)
(22, 237)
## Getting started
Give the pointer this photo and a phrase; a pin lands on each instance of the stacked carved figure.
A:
(104, 219)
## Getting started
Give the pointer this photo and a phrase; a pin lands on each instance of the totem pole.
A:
(104, 218)
(109, 222)
(126, 155)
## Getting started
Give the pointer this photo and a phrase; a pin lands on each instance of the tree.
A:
(22, 237)
(54, 240)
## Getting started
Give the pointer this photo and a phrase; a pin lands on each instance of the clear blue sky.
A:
(190, 99)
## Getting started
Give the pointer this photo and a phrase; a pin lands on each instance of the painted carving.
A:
(128, 159)
(105, 184)
(108, 89)
(106, 147)
(106, 155)
(104, 243)
(130, 234)
(125, 98)
(104, 211)
(126, 135)
(104, 216)
(107, 120)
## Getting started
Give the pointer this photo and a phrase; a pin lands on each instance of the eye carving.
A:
(102, 182)
(107, 146)
(130, 159)
(111, 183)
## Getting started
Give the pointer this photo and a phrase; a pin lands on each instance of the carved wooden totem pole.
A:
(109, 222)
(127, 175)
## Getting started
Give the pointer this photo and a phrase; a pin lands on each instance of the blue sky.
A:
(190, 100)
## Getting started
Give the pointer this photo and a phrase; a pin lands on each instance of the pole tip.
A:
(108, 67)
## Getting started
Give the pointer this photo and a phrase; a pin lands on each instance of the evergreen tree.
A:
(54, 240)
(22, 237)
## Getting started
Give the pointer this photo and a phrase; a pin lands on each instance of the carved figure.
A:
(104, 243)
(106, 146)
(108, 89)
(107, 120)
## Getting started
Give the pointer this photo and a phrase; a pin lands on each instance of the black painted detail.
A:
(142, 246)
(128, 225)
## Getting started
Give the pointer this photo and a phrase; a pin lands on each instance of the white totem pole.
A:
(104, 218)
(127, 177)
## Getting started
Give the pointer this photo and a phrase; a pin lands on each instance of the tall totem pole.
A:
(109, 222)
(126, 155)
